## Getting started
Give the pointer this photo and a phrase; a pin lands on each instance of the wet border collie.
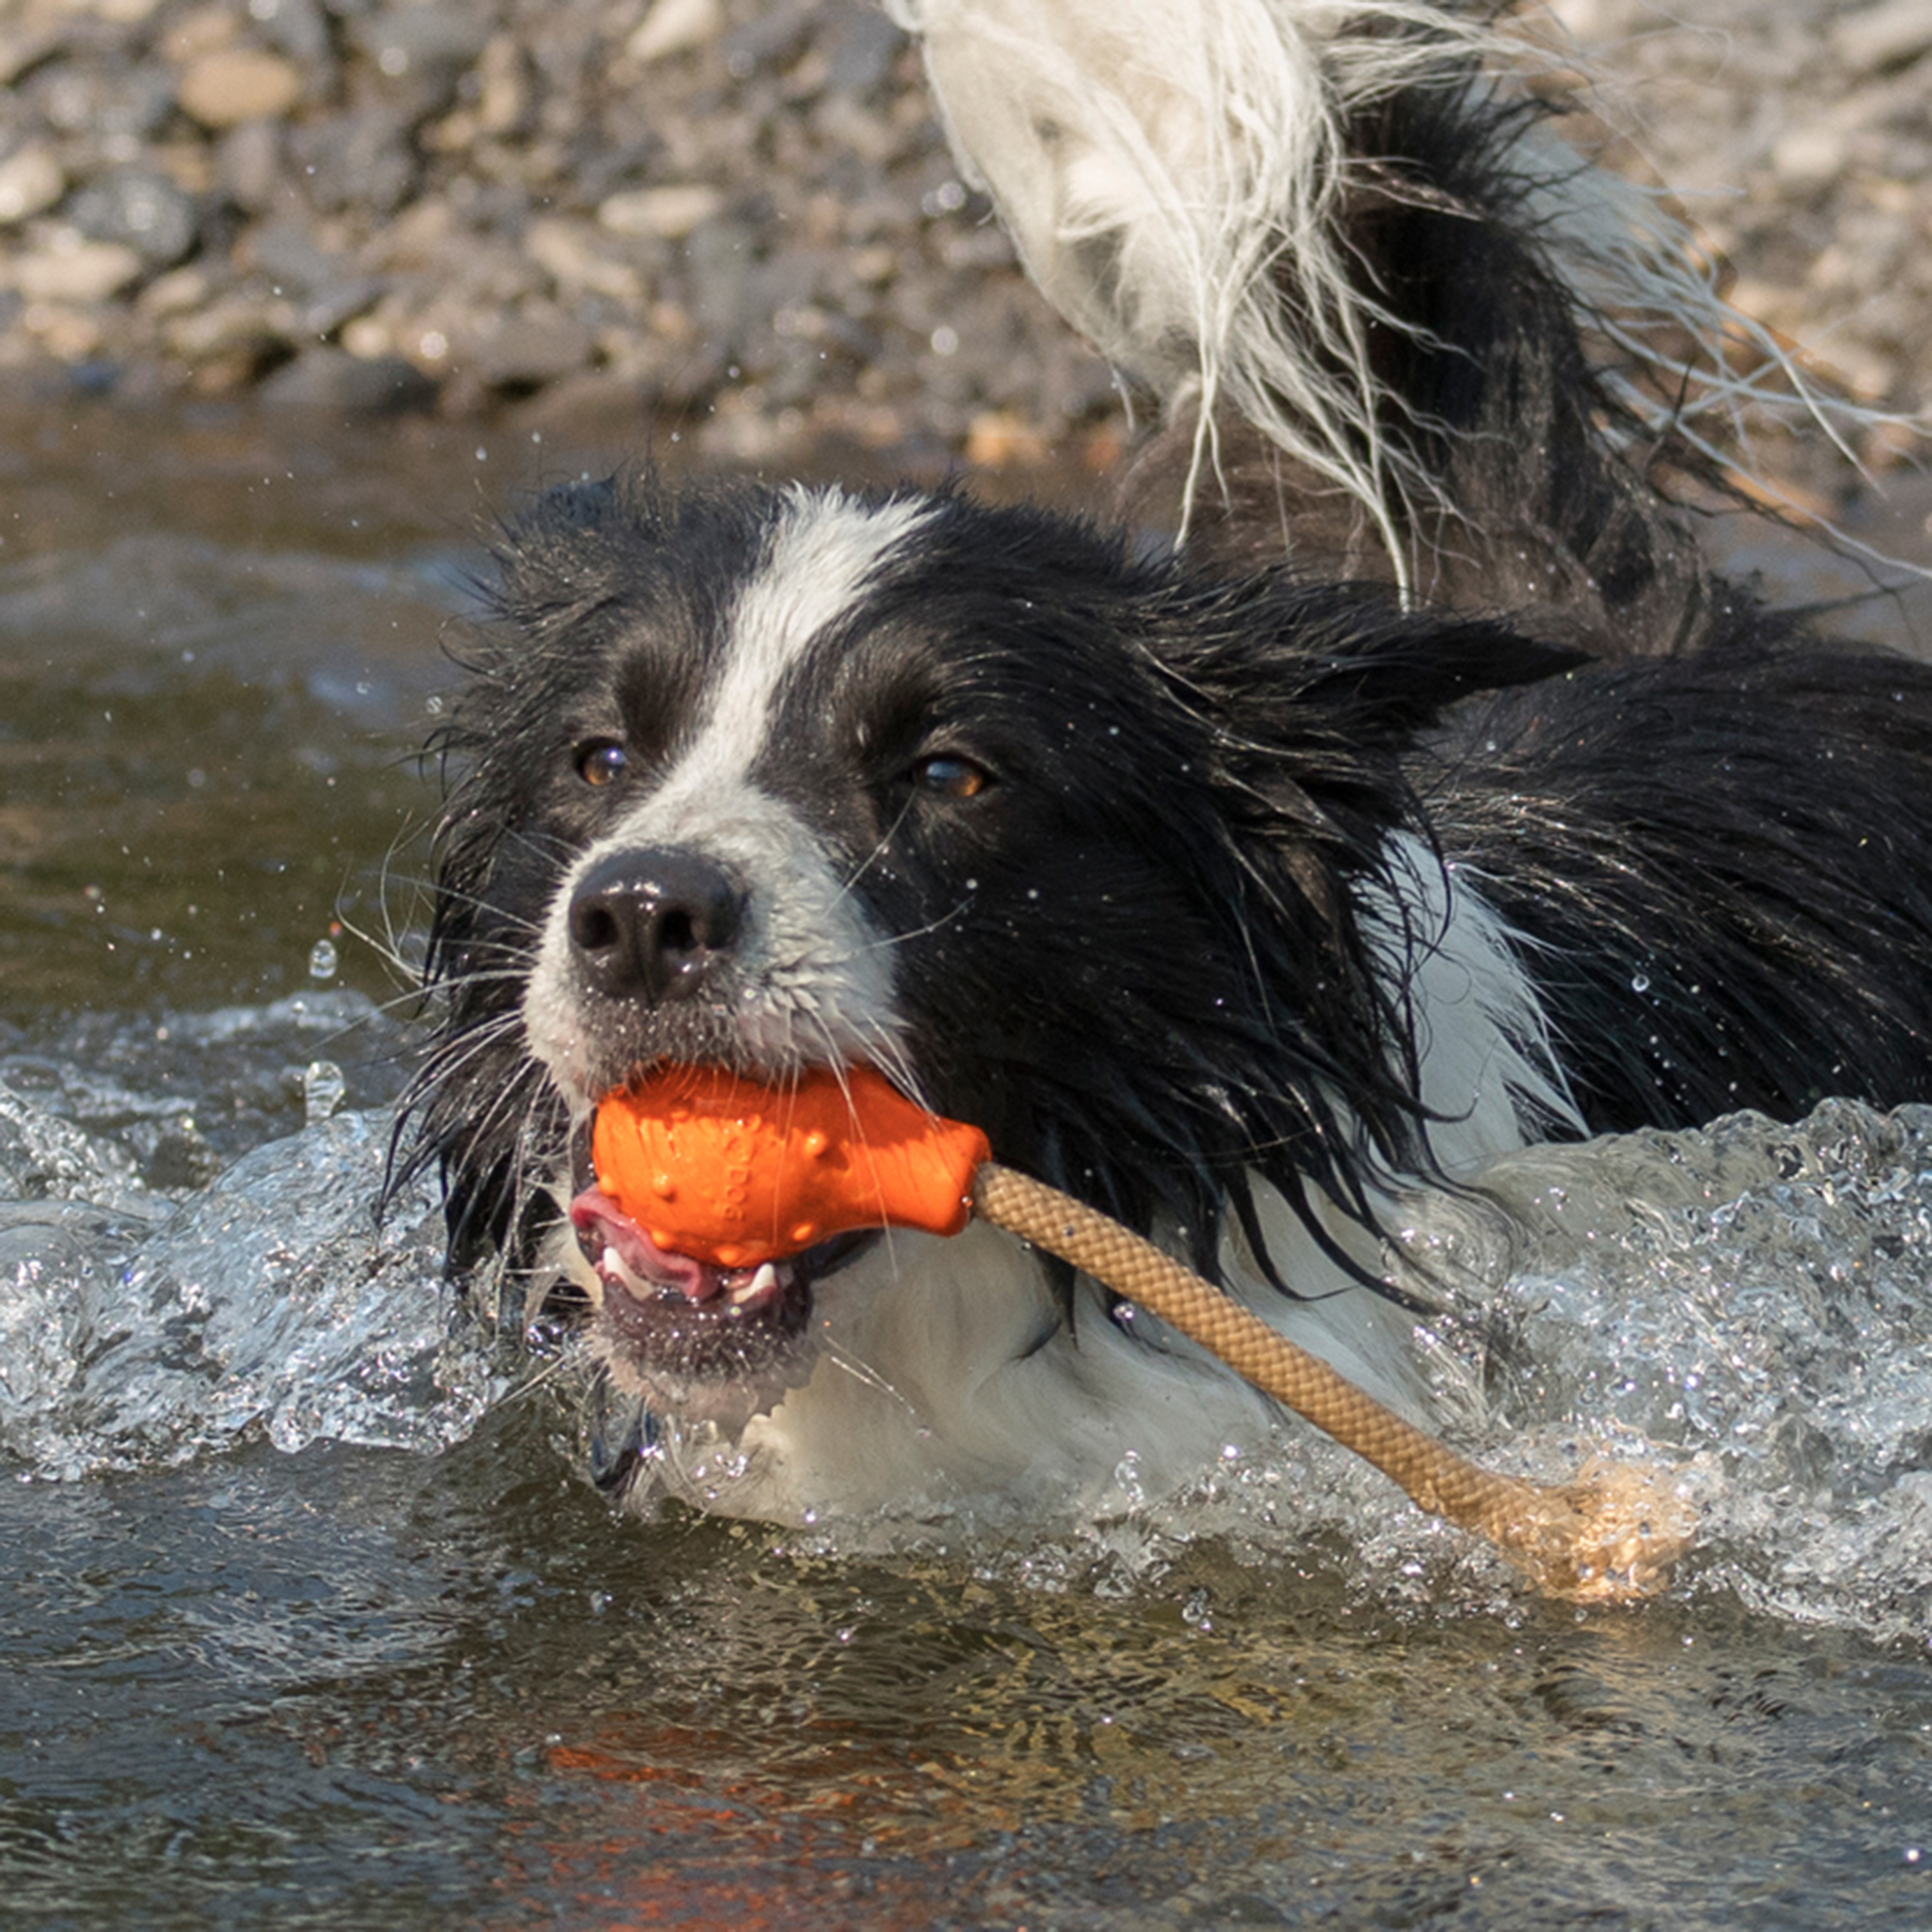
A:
(1232, 897)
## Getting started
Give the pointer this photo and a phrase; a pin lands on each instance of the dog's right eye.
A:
(600, 761)
(950, 776)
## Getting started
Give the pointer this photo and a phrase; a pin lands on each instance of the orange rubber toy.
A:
(735, 1173)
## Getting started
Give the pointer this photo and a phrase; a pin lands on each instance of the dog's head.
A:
(1061, 840)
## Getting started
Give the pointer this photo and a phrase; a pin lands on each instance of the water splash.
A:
(1756, 1299)
(324, 1090)
(136, 1330)
(1747, 1307)
(1748, 1304)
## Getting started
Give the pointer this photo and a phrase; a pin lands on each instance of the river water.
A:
(308, 1616)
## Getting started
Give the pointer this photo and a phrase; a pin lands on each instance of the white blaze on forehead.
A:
(824, 550)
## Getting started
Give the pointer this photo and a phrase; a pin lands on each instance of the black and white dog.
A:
(1230, 899)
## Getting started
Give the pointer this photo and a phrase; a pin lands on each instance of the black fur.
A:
(1195, 777)
(1724, 865)
(1143, 958)
(1158, 980)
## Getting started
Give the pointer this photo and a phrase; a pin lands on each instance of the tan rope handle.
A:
(1610, 1535)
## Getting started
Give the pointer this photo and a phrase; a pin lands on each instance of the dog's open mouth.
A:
(716, 1343)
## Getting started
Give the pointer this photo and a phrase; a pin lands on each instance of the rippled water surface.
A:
(309, 1617)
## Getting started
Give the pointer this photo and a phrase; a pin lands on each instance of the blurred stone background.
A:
(741, 216)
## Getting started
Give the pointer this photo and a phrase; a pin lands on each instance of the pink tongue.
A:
(594, 1213)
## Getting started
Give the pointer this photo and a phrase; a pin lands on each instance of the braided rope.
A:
(1611, 1535)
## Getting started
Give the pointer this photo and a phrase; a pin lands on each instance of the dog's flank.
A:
(1230, 904)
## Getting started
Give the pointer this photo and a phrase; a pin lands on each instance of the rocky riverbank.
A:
(744, 217)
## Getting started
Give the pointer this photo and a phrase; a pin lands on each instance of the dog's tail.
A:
(1342, 242)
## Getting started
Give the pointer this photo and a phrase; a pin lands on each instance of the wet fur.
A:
(1283, 896)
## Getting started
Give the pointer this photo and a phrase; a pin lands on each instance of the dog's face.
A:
(804, 780)
(726, 767)
(1058, 841)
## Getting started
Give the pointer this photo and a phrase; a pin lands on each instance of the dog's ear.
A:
(1391, 674)
(1287, 664)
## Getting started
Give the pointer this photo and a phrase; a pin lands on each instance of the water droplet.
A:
(1640, 983)
(324, 1090)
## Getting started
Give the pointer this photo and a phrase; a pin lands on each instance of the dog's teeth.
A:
(615, 1263)
(762, 1282)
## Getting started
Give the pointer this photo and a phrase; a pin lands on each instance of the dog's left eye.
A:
(600, 761)
(950, 776)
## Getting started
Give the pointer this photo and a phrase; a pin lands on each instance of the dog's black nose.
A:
(652, 924)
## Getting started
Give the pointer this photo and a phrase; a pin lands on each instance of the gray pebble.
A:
(104, 101)
(862, 50)
(429, 43)
(141, 208)
(363, 160)
(252, 169)
(297, 27)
